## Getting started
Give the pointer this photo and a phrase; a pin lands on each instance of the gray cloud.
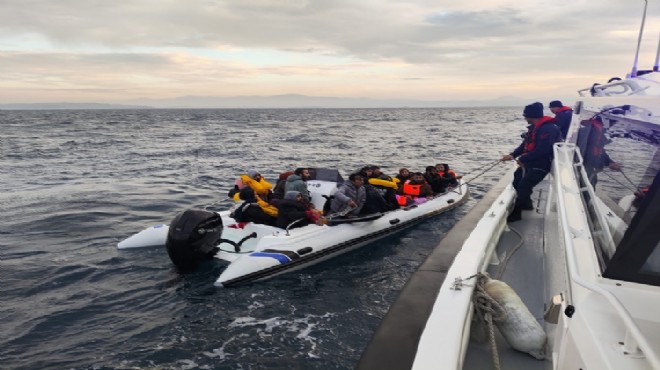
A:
(372, 32)
(443, 38)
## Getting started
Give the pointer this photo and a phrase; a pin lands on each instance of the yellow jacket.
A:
(380, 182)
(267, 207)
(262, 187)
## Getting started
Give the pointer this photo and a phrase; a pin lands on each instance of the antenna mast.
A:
(633, 73)
(657, 57)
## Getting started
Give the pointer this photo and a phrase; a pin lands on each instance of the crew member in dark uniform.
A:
(563, 115)
(534, 156)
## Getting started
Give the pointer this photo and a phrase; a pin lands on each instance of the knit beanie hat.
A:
(252, 173)
(534, 110)
(291, 194)
(555, 104)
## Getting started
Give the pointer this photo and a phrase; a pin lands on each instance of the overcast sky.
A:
(111, 51)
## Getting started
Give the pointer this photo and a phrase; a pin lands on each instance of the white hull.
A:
(267, 251)
(153, 236)
(276, 252)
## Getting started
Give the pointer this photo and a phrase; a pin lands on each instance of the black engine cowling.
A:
(193, 237)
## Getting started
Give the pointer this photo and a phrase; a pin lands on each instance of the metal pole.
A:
(657, 57)
(633, 73)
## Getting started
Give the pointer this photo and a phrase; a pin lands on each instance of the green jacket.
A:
(296, 183)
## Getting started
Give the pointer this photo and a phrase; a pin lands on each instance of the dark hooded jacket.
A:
(448, 175)
(535, 152)
(374, 202)
(291, 210)
(250, 210)
(563, 118)
(438, 183)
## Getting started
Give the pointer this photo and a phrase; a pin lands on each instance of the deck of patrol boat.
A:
(524, 271)
(395, 343)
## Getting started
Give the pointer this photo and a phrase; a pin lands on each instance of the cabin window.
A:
(637, 257)
(652, 264)
(622, 163)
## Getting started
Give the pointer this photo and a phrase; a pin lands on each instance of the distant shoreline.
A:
(290, 101)
(239, 108)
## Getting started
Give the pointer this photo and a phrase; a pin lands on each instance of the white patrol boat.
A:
(257, 251)
(575, 284)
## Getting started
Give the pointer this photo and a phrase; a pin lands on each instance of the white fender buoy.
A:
(520, 328)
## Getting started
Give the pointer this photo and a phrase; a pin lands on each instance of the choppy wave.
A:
(74, 183)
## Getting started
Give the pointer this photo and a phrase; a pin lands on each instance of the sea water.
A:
(73, 183)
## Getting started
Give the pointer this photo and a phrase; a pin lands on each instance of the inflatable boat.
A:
(257, 251)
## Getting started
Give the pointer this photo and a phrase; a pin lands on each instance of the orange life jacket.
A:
(410, 189)
(531, 137)
(451, 172)
(404, 200)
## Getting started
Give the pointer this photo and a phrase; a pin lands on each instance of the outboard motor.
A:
(193, 237)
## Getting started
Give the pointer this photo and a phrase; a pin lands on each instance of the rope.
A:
(489, 312)
(500, 271)
(637, 188)
(489, 165)
(619, 182)
(216, 203)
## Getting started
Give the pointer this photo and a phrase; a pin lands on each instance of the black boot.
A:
(527, 206)
(515, 215)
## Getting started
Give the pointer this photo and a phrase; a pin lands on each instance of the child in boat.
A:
(414, 190)
(403, 176)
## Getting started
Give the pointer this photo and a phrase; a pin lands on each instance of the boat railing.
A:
(629, 87)
(596, 217)
(568, 187)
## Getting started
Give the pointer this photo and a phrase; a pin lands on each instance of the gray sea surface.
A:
(73, 183)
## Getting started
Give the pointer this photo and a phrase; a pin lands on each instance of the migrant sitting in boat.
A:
(280, 185)
(254, 180)
(448, 174)
(414, 190)
(294, 212)
(402, 177)
(254, 209)
(375, 201)
(438, 184)
(350, 194)
(385, 186)
(298, 182)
